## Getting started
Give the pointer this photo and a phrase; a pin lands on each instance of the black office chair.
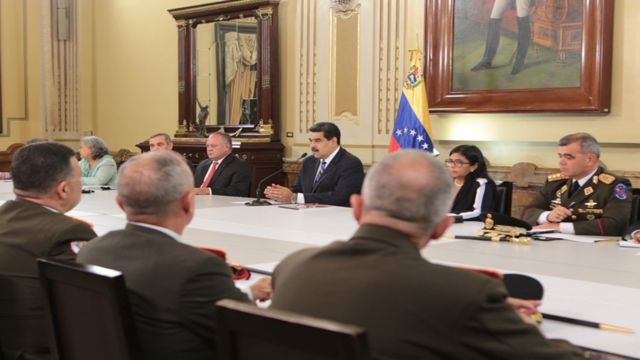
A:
(634, 216)
(89, 312)
(246, 332)
(22, 314)
(502, 203)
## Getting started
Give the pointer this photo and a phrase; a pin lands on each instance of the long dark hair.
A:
(474, 156)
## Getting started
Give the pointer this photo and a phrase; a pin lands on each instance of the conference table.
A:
(597, 282)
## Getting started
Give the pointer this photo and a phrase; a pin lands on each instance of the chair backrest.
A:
(502, 204)
(247, 332)
(89, 312)
(634, 216)
(22, 315)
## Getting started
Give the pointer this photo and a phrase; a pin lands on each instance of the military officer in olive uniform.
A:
(46, 182)
(583, 198)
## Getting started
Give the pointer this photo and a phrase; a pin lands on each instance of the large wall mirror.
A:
(228, 69)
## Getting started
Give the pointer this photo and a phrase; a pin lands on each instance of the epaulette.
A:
(606, 178)
(556, 177)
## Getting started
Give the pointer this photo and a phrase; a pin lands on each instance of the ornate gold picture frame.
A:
(575, 35)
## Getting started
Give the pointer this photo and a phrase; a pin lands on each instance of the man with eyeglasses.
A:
(583, 198)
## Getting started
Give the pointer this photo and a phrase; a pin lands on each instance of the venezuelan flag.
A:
(412, 128)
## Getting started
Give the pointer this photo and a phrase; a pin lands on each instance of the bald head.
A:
(410, 186)
(153, 184)
(218, 146)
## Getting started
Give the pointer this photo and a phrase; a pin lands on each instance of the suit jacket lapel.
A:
(330, 168)
(314, 170)
(220, 168)
(201, 171)
(564, 197)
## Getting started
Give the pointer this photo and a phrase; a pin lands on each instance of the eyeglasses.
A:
(456, 163)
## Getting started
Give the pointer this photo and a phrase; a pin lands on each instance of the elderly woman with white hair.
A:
(98, 167)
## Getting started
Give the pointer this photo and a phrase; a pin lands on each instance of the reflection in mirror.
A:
(226, 72)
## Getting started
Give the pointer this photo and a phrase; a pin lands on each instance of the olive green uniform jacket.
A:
(411, 308)
(29, 231)
(602, 206)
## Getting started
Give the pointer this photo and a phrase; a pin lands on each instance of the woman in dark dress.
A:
(475, 190)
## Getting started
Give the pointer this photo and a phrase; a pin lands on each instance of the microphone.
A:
(258, 201)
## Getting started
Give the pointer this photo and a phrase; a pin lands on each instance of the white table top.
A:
(596, 282)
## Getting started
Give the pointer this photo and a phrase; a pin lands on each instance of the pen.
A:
(539, 232)
(468, 237)
(587, 323)
(544, 238)
(573, 203)
(258, 271)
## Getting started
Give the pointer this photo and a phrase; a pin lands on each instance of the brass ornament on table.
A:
(499, 233)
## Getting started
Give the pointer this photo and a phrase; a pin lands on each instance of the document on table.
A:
(303, 206)
(628, 243)
(581, 238)
(79, 213)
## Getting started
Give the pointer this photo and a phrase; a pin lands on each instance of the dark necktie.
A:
(323, 165)
(574, 187)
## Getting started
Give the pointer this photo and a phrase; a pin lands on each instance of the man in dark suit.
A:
(582, 198)
(46, 181)
(411, 308)
(172, 286)
(330, 176)
(222, 173)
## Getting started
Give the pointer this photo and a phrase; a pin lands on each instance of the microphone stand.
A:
(259, 201)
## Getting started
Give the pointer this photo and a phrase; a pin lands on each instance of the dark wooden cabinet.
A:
(204, 33)
(265, 157)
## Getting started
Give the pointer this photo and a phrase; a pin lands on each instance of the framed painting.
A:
(518, 55)
(1, 116)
